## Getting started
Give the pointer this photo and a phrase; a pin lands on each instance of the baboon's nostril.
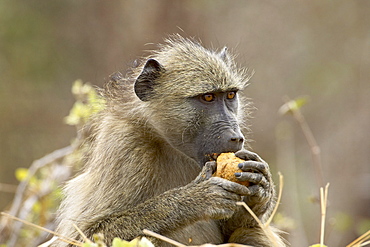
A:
(237, 139)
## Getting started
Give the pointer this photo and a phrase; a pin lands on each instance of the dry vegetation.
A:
(317, 48)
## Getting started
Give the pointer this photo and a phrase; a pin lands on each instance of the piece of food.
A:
(227, 166)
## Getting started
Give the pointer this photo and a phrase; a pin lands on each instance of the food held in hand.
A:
(227, 166)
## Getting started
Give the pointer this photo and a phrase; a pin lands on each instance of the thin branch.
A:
(364, 243)
(231, 245)
(63, 238)
(8, 188)
(324, 201)
(175, 243)
(360, 240)
(291, 106)
(49, 242)
(22, 187)
(264, 227)
(315, 149)
(281, 185)
(86, 239)
(163, 238)
(36, 165)
(251, 213)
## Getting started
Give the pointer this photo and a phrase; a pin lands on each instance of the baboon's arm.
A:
(204, 198)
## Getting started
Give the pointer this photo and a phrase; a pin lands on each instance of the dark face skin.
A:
(201, 126)
(218, 130)
(198, 126)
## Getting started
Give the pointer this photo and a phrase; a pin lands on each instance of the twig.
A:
(291, 106)
(82, 234)
(231, 245)
(49, 242)
(324, 201)
(252, 213)
(173, 242)
(163, 238)
(281, 185)
(264, 227)
(36, 165)
(9, 188)
(364, 243)
(360, 240)
(63, 238)
(19, 196)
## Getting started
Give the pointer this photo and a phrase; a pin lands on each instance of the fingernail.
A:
(238, 174)
(240, 166)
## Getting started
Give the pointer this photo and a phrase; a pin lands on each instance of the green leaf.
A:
(21, 174)
(143, 242)
(301, 101)
(76, 87)
(117, 242)
(88, 103)
(36, 207)
(89, 245)
(293, 105)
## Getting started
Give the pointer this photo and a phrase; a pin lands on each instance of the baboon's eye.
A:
(231, 95)
(208, 97)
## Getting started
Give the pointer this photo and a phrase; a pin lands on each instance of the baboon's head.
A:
(192, 96)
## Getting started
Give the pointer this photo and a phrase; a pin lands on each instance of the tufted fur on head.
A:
(180, 68)
(132, 155)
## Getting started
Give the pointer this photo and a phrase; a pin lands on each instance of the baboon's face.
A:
(202, 125)
(215, 128)
(197, 124)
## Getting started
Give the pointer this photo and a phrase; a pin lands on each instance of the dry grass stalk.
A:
(175, 243)
(49, 242)
(324, 202)
(227, 245)
(8, 188)
(281, 185)
(82, 234)
(270, 235)
(252, 213)
(62, 238)
(360, 241)
(291, 106)
(163, 238)
(35, 166)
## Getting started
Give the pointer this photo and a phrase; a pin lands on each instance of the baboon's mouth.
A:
(212, 156)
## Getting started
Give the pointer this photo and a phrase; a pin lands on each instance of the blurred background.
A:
(318, 49)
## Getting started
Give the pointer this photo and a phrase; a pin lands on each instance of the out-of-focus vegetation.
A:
(88, 102)
(38, 195)
(315, 48)
(122, 243)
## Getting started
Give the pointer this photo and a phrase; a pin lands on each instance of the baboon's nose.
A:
(237, 139)
(236, 136)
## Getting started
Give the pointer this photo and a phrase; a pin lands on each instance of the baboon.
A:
(148, 165)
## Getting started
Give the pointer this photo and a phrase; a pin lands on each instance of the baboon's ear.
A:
(224, 54)
(146, 81)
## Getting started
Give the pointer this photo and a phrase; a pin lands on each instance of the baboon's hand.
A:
(208, 169)
(256, 171)
(215, 197)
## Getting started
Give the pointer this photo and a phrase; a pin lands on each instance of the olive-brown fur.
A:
(145, 167)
